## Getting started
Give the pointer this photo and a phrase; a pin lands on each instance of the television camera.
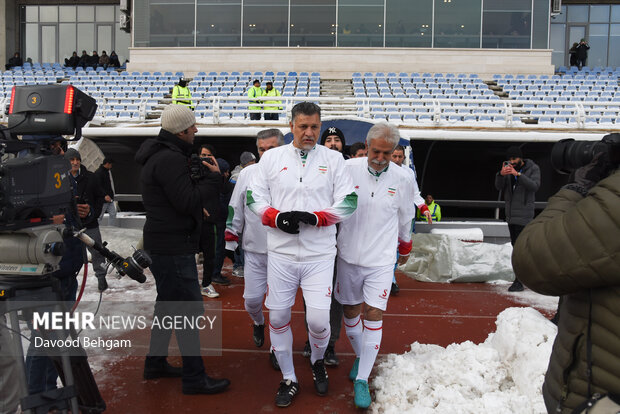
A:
(35, 198)
(567, 155)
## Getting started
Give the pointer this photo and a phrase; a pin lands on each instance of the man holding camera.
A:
(572, 250)
(174, 197)
(519, 180)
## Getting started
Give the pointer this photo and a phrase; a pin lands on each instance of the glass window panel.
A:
(598, 40)
(557, 42)
(48, 43)
(540, 31)
(361, 23)
(408, 23)
(313, 22)
(507, 5)
(615, 14)
(32, 13)
(66, 40)
(577, 13)
(48, 14)
(457, 23)
(122, 43)
(599, 14)
(104, 38)
(105, 13)
(141, 23)
(265, 24)
(614, 45)
(32, 42)
(172, 25)
(506, 29)
(559, 18)
(67, 14)
(219, 25)
(86, 38)
(85, 13)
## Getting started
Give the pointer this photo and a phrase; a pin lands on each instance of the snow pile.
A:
(502, 375)
(441, 258)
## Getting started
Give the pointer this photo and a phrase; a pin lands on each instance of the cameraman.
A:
(572, 250)
(173, 197)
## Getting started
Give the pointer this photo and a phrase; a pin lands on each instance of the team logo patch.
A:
(391, 191)
(284, 169)
(322, 169)
(329, 292)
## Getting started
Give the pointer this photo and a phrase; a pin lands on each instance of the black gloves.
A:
(288, 221)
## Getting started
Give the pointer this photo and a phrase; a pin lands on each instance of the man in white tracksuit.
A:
(301, 191)
(241, 221)
(367, 244)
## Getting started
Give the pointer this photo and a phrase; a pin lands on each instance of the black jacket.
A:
(173, 201)
(88, 191)
(103, 175)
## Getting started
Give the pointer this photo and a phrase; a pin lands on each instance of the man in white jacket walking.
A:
(367, 244)
(301, 191)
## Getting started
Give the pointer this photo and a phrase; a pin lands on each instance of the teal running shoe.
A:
(362, 394)
(353, 372)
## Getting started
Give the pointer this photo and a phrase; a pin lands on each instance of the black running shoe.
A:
(286, 392)
(319, 374)
(307, 350)
(395, 289)
(274, 361)
(516, 286)
(259, 335)
(330, 358)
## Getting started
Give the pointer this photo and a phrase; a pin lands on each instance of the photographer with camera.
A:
(90, 198)
(582, 53)
(572, 250)
(174, 192)
(518, 180)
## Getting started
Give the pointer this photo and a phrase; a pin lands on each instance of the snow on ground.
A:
(504, 374)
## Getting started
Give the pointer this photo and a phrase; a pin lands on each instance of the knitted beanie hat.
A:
(176, 118)
(72, 153)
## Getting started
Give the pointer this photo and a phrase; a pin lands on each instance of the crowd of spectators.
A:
(93, 61)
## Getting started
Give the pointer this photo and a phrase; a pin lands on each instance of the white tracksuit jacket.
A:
(321, 186)
(385, 208)
(241, 220)
(417, 197)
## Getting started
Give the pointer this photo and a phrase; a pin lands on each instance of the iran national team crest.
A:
(323, 169)
(391, 191)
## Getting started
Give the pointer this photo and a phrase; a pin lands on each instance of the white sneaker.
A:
(209, 291)
(238, 272)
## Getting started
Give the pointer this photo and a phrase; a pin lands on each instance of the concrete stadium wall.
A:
(340, 63)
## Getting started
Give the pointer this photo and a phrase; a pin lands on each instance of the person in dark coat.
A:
(93, 62)
(73, 61)
(84, 60)
(582, 53)
(572, 250)
(173, 196)
(114, 62)
(16, 60)
(572, 52)
(104, 175)
(519, 180)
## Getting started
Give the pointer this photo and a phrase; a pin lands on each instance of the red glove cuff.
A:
(269, 217)
(423, 208)
(324, 219)
(404, 248)
(230, 236)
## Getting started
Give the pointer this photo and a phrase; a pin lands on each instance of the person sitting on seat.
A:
(16, 60)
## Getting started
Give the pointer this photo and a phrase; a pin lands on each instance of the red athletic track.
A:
(429, 313)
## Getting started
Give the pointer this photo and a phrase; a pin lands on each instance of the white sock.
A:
(254, 307)
(282, 341)
(318, 332)
(370, 348)
(353, 328)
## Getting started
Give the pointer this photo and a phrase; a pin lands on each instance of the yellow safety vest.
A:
(182, 96)
(272, 92)
(255, 92)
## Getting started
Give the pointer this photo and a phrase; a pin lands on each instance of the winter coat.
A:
(173, 201)
(572, 249)
(103, 175)
(519, 193)
(88, 191)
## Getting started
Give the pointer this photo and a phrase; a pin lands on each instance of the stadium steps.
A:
(337, 88)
